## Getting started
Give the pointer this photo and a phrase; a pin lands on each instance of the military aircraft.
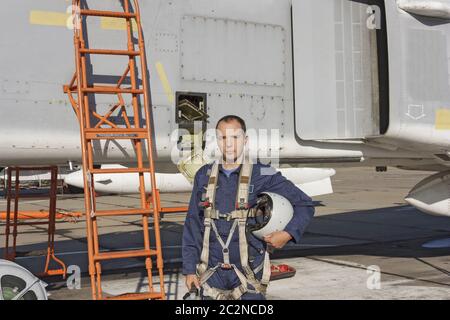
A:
(329, 82)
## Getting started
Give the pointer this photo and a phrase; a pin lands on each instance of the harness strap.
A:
(207, 274)
(210, 197)
(225, 251)
(243, 187)
(203, 266)
(219, 294)
(240, 218)
(236, 214)
(211, 188)
(267, 271)
(243, 250)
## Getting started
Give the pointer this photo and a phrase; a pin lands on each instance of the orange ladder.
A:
(106, 129)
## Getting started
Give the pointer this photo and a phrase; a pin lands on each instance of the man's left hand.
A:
(278, 239)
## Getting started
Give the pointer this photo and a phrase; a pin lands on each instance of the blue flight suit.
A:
(264, 178)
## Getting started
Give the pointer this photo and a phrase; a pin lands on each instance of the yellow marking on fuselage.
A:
(61, 19)
(49, 18)
(109, 23)
(165, 82)
(442, 119)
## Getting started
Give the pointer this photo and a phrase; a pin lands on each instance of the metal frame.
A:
(17, 215)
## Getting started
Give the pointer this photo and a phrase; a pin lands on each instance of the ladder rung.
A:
(124, 254)
(137, 296)
(56, 272)
(125, 212)
(114, 134)
(106, 90)
(119, 170)
(110, 52)
(112, 14)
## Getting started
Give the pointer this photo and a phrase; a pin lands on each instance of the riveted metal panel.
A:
(231, 51)
(335, 70)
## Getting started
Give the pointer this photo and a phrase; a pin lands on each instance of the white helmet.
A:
(17, 283)
(273, 214)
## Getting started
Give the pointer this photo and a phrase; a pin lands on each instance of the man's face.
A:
(231, 140)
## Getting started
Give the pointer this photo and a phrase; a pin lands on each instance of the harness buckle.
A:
(242, 205)
(224, 216)
(226, 266)
(205, 203)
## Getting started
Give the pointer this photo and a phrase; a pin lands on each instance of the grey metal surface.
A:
(333, 58)
(234, 42)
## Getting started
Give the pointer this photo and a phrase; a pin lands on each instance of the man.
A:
(204, 257)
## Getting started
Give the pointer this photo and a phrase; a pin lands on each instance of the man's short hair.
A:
(231, 117)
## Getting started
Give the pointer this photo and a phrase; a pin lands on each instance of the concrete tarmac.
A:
(365, 242)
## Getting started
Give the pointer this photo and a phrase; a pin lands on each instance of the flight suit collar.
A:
(237, 170)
